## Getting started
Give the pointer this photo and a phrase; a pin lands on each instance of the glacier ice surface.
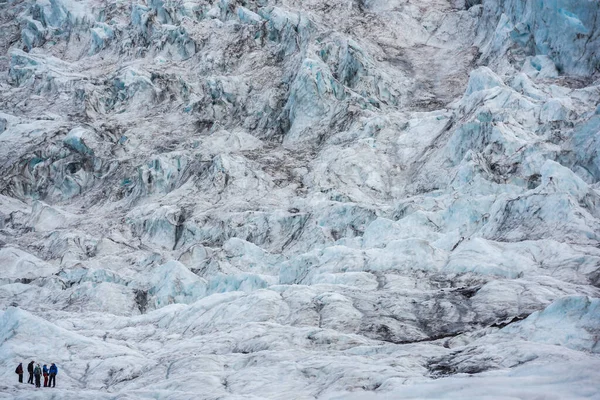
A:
(301, 200)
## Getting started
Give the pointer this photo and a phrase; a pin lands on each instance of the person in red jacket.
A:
(45, 372)
(19, 371)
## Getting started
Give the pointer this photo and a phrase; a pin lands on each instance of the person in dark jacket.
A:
(19, 371)
(53, 372)
(45, 373)
(37, 372)
(30, 370)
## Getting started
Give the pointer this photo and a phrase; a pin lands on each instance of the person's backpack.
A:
(17, 370)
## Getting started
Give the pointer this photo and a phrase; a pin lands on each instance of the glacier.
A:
(260, 199)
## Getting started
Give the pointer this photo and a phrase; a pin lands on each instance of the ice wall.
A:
(300, 199)
(565, 31)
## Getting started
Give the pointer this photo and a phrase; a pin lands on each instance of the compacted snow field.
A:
(284, 199)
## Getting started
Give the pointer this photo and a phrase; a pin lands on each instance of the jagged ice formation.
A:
(281, 199)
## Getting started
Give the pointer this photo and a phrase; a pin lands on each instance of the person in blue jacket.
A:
(53, 372)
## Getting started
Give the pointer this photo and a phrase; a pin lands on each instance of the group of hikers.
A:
(36, 371)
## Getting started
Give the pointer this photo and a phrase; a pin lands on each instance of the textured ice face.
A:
(565, 31)
(337, 200)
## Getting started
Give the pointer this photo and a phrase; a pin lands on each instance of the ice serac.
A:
(570, 322)
(566, 31)
(561, 207)
(174, 283)
(301, 199)
(19, 265)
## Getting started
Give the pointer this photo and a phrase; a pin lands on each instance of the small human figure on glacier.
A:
(45, 373)
(37, 372)
(53, 372)
(19, 371)
(30, 370)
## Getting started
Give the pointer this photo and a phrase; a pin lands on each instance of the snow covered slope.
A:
(281, 199)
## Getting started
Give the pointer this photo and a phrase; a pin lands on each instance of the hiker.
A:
(30, 370)
(37, 371)
(45, 373)
(53, 372)
(19, 371)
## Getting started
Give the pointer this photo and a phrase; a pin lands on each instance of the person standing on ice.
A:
(53, 372)
(19, 371)
(30, 370)
(37, 372)
(45, 373)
